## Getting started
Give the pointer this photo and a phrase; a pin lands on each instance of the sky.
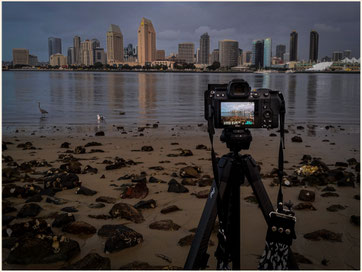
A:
(28, 25)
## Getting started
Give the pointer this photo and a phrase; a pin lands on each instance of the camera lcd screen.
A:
(237, 113)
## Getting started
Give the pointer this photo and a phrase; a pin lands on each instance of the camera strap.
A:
(281, 226)
(281, 155)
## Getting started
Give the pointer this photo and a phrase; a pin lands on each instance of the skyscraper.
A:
(146, 42)
(258, 53)
(337, 55)
(86, 55)
(280, 50)
(228, 53)
(20, 56)
(99, 55)
(313, 46)
(54, 46)
(214, 56)
(347, 54)
(204, 48)
(247, 57)
(293, 46)
(76, 46)
(71, 56)
(267, 52)
(114, 45)
(186, 52)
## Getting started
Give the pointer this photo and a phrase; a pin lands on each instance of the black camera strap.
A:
(281, 225)
(281, 155)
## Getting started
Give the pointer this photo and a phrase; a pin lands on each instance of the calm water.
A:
(75, 98)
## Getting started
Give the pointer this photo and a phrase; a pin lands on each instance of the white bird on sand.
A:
(42, 111)
(100, 117)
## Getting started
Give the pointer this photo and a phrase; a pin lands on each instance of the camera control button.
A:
(267, 114)
(265, 107)
(255, 95)
(266, 94)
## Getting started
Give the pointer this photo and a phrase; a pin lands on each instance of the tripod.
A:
(224, 200)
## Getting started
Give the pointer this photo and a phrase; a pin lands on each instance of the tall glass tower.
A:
(258, 53)
(313, 46)
(54, 46)
(267, 52)
(293, 46)
(204, 48)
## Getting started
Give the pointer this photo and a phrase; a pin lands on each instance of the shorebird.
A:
(100, 117)
(41, 110)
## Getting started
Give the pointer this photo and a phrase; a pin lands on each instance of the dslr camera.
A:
(236, 105)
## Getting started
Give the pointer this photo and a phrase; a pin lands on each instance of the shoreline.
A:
(331, 144)
(180, 71)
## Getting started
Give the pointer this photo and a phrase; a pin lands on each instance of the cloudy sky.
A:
(28, 25)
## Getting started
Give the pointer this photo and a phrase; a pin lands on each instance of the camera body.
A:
(235, 105)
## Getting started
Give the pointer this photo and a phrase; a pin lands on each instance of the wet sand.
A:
(342, 145)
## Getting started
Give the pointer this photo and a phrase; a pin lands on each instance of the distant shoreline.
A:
(181, 71)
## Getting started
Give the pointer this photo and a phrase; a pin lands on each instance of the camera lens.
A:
(238, 88)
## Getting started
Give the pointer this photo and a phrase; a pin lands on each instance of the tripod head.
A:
(236, 139)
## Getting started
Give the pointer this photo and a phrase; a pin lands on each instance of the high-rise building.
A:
(54, 46)
(33, 60)
(258, 53)
(96, 43)
(99, 55)
(347, 54)
(130, 54)
(247, 57)
(204, 48)
(128, 51)
(58, 60)
(337, 55)
(313, 46)
(146, 42)
(186, 52)
(86, 53)
(160, 55)
(280, 50)
(214, 56)
(267, 52)
(293, 46)
(20, 56)
(71, 56)
(228, 53)
(76, 46)
(198, 55)
(114, 45)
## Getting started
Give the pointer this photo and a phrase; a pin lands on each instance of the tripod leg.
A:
(235, 224)
(197, 257)
(252, 174)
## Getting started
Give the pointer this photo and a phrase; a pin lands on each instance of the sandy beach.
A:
(330, 144)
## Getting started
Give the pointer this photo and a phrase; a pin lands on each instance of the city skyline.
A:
(29, 25)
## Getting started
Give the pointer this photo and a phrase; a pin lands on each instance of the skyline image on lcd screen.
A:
(237, 113)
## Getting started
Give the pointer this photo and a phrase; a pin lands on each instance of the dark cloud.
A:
(28, 25)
